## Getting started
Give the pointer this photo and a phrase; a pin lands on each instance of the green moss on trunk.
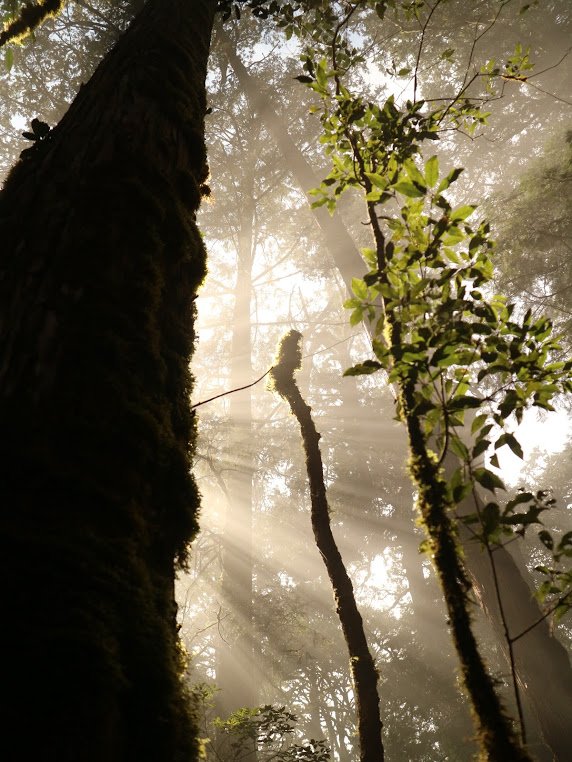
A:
(99, 264)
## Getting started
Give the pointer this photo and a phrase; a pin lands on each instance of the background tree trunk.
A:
(235, 665)
(340, 244)
(362, 666)
(542, 663)
(100, 260)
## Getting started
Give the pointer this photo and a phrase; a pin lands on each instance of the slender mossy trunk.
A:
(496, 735)
(100, 258)
(362, 666)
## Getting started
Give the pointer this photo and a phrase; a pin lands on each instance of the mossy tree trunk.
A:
(99, 262)
(362, 665)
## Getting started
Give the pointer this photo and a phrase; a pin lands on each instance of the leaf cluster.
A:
(271, 729)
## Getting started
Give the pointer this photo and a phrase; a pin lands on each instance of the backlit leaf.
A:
(488, 479)
(432, 171)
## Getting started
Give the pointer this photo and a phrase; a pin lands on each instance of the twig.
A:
(258, 380)
(423, 30)
(550, 611)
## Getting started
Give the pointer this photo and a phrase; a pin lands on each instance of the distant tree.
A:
(533, 225)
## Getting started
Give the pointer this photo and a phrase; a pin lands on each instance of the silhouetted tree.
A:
(100, 261)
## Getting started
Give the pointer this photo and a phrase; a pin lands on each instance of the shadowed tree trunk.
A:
(100, 259)
(542, 663)
(362, 666)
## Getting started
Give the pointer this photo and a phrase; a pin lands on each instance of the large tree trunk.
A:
(100, 259)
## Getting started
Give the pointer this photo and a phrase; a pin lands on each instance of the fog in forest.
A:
(256, 613)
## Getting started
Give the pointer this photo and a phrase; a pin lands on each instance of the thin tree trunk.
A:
(235, 670)
(539, 655)
(362, 666)
(100, 259)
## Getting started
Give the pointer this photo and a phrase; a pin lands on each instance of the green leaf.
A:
(462, 212)
(458, 487)
(464, 403)
(408, 189)
(359, 288)
(357, 316)
(321, 75)
(460, 492)
(459, 448)
(479, 422)
(415, 175)
(432, 171)
(490, 517)
(377, 180)
(488, 480)
(565, 542)
(450, 179)
(363, 368)
(480, 447)
(511, 441)
(561, 609)
(453, 236)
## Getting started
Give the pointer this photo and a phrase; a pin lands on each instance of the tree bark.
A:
(100, 260)
(362, 666)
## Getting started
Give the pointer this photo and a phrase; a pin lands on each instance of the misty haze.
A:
(285, 380)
